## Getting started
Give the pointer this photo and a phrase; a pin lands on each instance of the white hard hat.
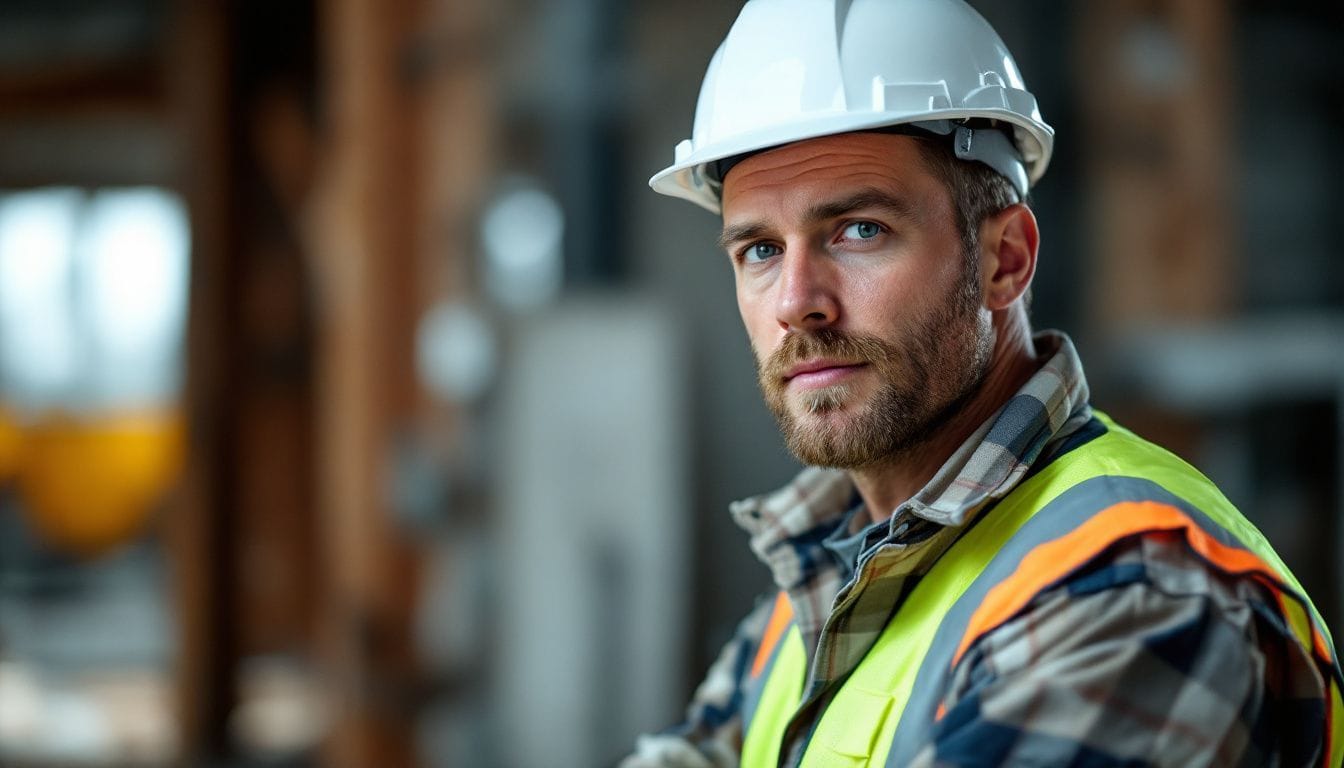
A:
(798, 69)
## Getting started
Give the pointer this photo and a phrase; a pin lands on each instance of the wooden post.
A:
(1154, 79)
(363, 239)
(242, 544)
(198, 536)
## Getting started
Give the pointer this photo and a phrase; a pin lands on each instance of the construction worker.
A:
(977, 567)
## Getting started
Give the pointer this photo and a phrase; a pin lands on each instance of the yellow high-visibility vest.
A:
(1115, 486)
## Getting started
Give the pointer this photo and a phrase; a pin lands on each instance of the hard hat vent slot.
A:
(910, 97)
(999, 97)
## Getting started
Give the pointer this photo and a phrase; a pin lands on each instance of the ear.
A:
(1008, 243)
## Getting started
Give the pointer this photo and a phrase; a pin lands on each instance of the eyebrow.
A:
(739, 232)
(869, 197)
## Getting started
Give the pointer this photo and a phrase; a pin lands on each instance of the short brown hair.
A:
(977, 190)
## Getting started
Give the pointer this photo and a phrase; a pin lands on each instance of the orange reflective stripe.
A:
(1054, 559)
(774, 629)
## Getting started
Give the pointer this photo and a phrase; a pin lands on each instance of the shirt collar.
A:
(987, 466)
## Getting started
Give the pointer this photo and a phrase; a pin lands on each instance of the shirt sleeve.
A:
(1148, 657)
(711, 734)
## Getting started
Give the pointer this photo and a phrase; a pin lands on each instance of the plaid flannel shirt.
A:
(1219, 679)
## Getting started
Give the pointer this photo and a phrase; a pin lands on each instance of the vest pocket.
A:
(849, 729)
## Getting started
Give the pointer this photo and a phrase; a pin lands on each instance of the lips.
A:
(820, 373)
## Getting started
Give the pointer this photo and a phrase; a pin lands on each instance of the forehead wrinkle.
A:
(832, 161)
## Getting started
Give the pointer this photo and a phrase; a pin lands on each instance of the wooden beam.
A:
(244, 545)
(363, 241)
(73, 88)
(198, 533)
(1153, 76)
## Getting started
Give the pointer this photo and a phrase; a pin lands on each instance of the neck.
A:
(886, 486)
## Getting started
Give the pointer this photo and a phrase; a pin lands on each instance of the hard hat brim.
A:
(687, 178)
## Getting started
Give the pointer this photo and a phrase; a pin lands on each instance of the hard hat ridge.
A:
(791, 70)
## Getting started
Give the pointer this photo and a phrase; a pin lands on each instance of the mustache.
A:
(800, 346)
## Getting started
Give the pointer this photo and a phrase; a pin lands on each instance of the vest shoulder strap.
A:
(774, 686)
(1112, 487)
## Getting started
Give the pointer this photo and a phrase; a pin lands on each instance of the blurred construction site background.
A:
(360, 406)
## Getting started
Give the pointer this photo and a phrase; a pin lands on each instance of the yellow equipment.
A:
(90, 484)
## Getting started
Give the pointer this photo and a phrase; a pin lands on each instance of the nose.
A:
(806, 298)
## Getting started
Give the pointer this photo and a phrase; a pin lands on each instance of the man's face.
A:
(856, 294)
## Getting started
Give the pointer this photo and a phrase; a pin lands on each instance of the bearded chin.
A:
(834, 429)
(918, 390)
(826, 400)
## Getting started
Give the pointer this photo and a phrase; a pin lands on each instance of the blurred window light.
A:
(93, 294)
(523, 235)
(38, 349)
(456, 352)
(133, 261)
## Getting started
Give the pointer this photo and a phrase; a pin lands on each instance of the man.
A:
(977, 568)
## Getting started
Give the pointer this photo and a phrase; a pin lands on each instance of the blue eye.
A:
(760, 252)
(862, 230)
